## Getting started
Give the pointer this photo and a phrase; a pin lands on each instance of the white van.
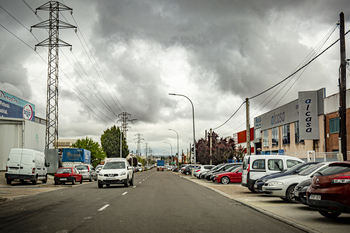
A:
(26, 165)
(256, 166)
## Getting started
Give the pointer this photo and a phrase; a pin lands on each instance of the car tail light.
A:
(341, 180)
(7, 168)
(248, 168)
(33, 170)
(88, 169)
(198, 170)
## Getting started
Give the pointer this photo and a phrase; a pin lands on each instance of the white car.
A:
(116, 171)
(283, 187)
(201, 169)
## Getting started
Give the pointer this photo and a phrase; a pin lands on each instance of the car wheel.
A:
(329, 214)
(100, 185)
(126, 182)
(90, 180)
(251, 188)
(132, 181)
(56, 183)
(187, 173)
(108, 185)
(81, 180)
(35, 181)
(8, 181)
(290, 193)
(225, 180)
(45, 180)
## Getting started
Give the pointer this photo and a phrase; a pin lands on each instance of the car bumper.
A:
(115, 181)
(329, 206)
(19, 177)
(63, 179)
(274, 191)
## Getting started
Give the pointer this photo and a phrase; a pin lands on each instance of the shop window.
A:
(275, 136)
(334, 125)
(285, 134)
(257, 133)
(297, 134)
(266, 138)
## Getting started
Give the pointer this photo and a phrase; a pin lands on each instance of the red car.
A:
(235, 176)
(68, 174)
(329, 192)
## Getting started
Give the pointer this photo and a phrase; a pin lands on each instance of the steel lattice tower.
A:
(53, 24)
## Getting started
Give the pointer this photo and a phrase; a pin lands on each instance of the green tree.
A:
(97, 154)
(110, 141)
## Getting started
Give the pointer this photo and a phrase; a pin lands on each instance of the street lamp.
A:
(171, 149)
(194, 134)
(178, 164)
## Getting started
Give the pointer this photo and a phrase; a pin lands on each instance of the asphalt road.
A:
(158, 202)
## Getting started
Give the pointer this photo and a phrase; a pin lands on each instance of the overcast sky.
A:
(128, 55)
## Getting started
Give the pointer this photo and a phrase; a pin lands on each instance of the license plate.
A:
(63, 179)
(315, 197)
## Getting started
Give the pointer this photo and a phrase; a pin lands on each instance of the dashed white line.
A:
(124, 193)
(104, 207)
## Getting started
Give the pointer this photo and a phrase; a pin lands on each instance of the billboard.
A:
(14, 107)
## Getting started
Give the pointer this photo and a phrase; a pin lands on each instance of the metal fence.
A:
(317, 156)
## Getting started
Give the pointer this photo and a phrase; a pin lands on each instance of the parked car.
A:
(116, 171)
(188, 169)
(26, 165)
(283, 187)
(300, 191)
(201, 169)
(259, 183)
(234, 176)
(67, 174)
(257, 166)
(329, 192)
(224, 169)
(88, 171)
(203, 174)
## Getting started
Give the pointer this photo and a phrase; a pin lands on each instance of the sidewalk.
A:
(298, 215)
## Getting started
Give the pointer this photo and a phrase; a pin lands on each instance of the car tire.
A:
(45, 180)
(90, 180)
(8, 181)
(329, 214)
(225, 180)
(73, 182)
(100, 185)
(251, 188)
(107, 185)
(290, 194)
(35, 181)
(81, 180)
(132, 181)
(187, 173)
(126, 182)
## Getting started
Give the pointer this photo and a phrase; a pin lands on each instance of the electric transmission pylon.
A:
(139, 138)
(53, 24)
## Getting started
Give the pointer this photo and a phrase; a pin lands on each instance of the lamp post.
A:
(194, 134)
(178, 164)
(171, 149)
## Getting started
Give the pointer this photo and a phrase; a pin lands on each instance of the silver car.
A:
(88, 171)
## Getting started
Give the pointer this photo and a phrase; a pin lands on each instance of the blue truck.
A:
(160, 165)
(75, 156)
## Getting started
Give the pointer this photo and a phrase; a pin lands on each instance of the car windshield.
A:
(292, 168)
(311, 169)
(114, 165)
(231, 169)
(82, 167)
(64, 170)
(335, 169)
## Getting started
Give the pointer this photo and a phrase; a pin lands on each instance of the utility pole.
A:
(248, 126)
(53, 24)
(139, 138)
(211, 146)
(124, 118)
(342, 94)
(146, 153)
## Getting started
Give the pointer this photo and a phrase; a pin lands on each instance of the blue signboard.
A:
(14, 107)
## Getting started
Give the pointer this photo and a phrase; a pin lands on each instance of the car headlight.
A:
(123, 173)
(276, 183)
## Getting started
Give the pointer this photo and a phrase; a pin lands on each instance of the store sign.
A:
(13, 107)
(308, 115)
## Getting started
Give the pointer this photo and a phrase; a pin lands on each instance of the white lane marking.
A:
(140, 182)
(124, 193)
(104, 207)
(134, 186)
(143, 180)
